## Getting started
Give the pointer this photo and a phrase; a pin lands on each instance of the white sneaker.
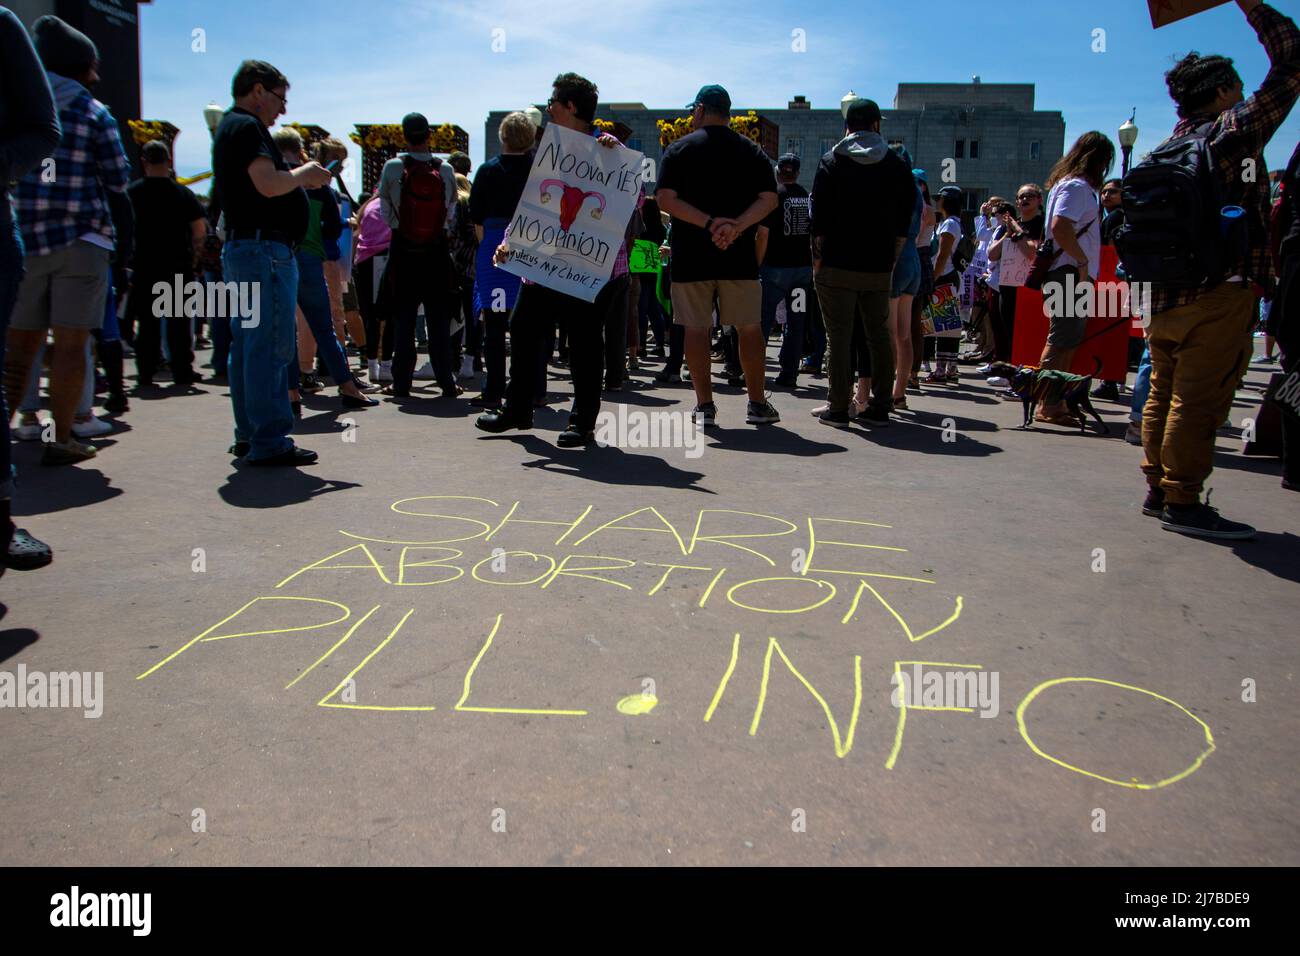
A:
(467, 366)
(91, 427)
(385, 372)
(984, 369)
(372, 370)
(424, 373)
(997, 381)
(925, 366)
(820, 410)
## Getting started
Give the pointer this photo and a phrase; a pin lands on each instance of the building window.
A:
(960, 151)
(974, 149)
(634, 142)
(974, 198)
(794, 145)
(1036, 150)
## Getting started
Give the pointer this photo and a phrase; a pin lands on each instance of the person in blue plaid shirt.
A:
(66, 210)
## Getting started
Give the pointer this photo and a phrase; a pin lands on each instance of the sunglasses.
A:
(1024, 200)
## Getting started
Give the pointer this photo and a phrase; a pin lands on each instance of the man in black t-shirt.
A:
(169, 234)
(718, 186)
(786, 273)
(266, 210)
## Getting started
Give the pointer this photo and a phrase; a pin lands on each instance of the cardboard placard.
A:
(643, 257)
(1015, 264)
(1165, 12)
(568, 227)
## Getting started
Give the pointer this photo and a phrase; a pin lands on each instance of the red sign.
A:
(1106, 337)
(1164, 12)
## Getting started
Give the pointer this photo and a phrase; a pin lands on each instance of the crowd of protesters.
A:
(850, 272)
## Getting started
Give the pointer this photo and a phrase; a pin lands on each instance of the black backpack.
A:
(1172, 200)
(963, 253)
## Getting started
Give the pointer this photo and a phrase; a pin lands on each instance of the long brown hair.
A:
(1090, 158)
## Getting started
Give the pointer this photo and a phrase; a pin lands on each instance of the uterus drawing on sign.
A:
(571, 201)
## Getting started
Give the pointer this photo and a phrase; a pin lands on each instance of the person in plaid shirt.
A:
(1200, 339)
(66, 212)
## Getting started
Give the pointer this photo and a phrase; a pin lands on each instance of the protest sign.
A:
(1165, 12)
(1015, 264)
(567, 229)
(643, 257)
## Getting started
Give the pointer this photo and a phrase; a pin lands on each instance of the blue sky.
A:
(358, 61)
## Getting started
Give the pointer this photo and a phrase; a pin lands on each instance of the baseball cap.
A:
(951, 191)
(862, 113)
(920, 174)
(712, 96)
(414, 125)
(788, 159)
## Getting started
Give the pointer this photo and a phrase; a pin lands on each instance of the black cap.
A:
(712, 96)
(951, 191)
(788, 159)
(415, 127)
(63, 49)
(862, 113)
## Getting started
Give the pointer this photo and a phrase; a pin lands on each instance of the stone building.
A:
(991, 132)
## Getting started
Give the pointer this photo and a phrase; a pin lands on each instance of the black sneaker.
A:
(117, 404)
(668, 378)
(239, 449)
(786, 381)
(1154, 503)
(1107, 390)
(500, 420)
(761, 413)
(872, 415)
(310, 383)
(574, 437)
(735, 381)
(834, 419)
(1202, 521)
(290, 458)
(705, 415)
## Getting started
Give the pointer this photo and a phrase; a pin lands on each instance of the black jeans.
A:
(422, 277)
(150, 330)
(531, 327)
(379, 345)
(1004, 323)
(494, 355)
(676, 349)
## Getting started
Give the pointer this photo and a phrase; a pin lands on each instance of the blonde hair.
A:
(462, 187)
(287, 139)
(517, 132)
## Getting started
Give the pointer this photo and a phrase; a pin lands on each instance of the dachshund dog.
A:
(1045, 386)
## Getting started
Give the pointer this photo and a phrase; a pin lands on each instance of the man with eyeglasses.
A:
(266, 209)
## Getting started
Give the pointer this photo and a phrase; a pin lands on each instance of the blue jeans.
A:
(779, 285)
(1141, 386)
(314, 300)
(220, 334)
(11, 274)
(261, 353)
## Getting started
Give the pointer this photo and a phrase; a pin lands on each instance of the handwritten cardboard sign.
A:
(1165, 12)
(1015, 264)
(567, 229)
(643, 257)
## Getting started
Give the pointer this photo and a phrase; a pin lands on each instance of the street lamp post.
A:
(212, 114)
(848, 98)
(1128, 134)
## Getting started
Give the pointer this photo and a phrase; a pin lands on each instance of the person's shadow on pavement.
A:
(251, 487)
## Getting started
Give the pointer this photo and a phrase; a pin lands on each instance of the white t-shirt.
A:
(1076, 200)
(952, 227)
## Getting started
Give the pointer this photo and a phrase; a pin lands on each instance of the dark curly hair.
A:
(1195, 80)
(578, 90)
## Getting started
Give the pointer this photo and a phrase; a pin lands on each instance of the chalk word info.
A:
(797, 590)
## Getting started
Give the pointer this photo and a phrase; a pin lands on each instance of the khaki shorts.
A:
(740, 302)
(67, 289)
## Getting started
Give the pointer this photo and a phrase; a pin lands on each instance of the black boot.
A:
(110, 356)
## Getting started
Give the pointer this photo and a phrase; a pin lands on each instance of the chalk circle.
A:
(637, 704)
(1132, 784)
(776, 610)
(473, 572)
